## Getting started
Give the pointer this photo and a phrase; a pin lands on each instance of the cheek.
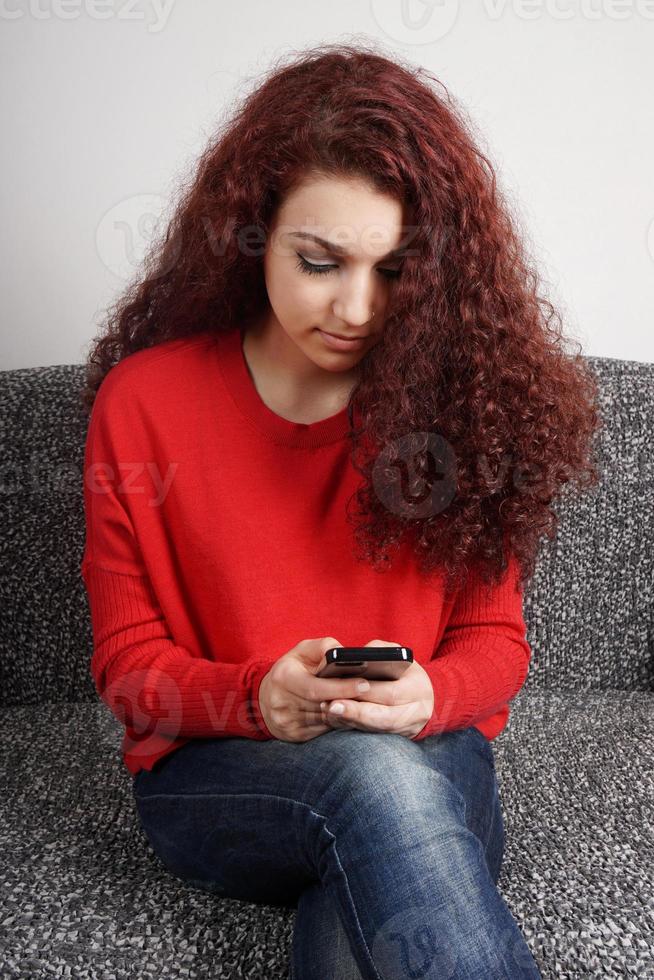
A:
(295, 296)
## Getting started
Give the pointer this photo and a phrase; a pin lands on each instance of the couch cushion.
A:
(81, 888)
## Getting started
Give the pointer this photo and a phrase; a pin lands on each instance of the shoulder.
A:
(153, 369)
(154, 383)
(158, 362)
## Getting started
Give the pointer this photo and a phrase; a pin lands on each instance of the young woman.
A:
(341, 311)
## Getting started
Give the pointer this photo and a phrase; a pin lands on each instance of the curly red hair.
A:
(471, 359)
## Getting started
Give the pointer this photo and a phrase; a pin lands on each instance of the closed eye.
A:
(320, 270)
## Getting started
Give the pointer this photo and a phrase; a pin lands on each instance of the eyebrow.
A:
(395, 253)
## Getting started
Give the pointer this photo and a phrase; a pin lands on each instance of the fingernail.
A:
(338, 709)
(363, 686)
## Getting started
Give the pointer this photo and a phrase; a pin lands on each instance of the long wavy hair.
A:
(472, 415)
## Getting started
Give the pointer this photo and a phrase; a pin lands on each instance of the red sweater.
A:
(216, 540)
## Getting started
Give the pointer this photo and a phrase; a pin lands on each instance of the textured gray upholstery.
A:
(81, 893)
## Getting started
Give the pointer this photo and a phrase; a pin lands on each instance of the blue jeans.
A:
(390, 850)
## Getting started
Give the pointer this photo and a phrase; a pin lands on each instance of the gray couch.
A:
(83, 896)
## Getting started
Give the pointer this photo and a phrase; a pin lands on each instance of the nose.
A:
(355, 303)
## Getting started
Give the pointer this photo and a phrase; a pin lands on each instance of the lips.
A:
(341, 344)
(340, 336)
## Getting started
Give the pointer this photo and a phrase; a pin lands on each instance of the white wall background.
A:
(106, 104)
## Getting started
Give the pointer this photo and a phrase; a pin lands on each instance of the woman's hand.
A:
(290, 693)
(403, 706)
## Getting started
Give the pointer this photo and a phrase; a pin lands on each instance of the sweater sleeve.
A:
(157, 688)
(483, 658)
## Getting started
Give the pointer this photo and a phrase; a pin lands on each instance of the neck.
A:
(290, 383)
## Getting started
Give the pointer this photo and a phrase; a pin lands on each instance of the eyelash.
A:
(323, 270)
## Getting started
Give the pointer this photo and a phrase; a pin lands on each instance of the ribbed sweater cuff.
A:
(472, 682)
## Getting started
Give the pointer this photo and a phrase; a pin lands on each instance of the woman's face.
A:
(317, 289)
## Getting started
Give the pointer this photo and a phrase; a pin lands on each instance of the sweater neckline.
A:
(240, 384)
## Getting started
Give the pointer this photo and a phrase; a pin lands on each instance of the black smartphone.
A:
(373, 663)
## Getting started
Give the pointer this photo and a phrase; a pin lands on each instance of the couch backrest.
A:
(590, 605)
(589, 608)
